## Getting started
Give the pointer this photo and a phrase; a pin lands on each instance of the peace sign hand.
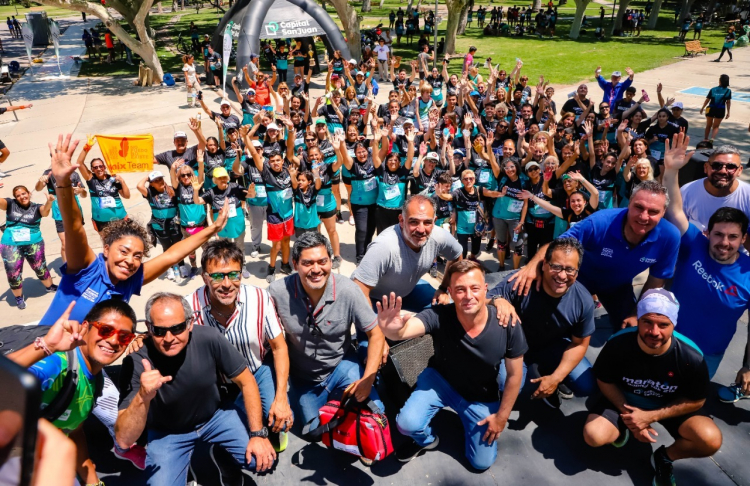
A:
(65, 334)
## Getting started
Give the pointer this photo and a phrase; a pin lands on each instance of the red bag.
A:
(356, 428)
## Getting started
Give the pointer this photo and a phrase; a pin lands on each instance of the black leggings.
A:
(168, 236)
(364, 227)
(386, 218)
(281, 74)
(728, 50)
(476, 242)
(537, 237)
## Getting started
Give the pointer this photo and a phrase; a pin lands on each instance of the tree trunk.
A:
(686, 6)
(158, 8)
(409, 6)
(381, 3)
(454, 12)
(620, 14)
(575, 29)
(654, 17)
(537, 5)
(350, 22)
(366, 6)
(463, 20)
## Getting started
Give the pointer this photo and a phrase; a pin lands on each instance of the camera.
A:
(200, 95)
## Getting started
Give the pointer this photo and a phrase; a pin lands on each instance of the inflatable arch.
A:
(277, 19)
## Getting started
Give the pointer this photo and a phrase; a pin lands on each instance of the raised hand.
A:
(389, 312)
(674, 153)
(65, 334)
(422, 149)
(61, 155)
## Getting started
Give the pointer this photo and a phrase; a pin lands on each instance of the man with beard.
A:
(620, 244)
(463, 373)
(558, 321)
(653, 374)
(400, 256)
(712, 276)
(317, 310)
(720, 188)
(245, 315)
(96, 342)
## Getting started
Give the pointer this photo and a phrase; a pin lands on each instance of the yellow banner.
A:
(127, 153)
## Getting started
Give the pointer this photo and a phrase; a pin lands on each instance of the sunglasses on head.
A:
(106, 331)
(159, 331)
(218, 277)
(721, 165)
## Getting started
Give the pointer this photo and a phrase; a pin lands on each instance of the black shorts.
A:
(719, 113)
(299, 63)
(601, 406)
(327, 214)
(59, 225)
(347, 180)
(336, 179)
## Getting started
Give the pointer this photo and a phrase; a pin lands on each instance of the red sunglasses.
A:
(106, 331)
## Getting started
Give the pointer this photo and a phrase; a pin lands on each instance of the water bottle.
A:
(198, 117)
(515, 237)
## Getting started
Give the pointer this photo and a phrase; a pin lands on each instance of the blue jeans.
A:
(544, 362)
(168, 454)
(432, 394)
(307, 398)
(264, 377)
(713, 361)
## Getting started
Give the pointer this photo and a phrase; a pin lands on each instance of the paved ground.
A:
(540, 446)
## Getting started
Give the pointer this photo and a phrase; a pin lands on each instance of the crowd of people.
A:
(586, 195)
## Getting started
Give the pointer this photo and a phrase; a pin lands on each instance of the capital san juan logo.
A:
(290, 29)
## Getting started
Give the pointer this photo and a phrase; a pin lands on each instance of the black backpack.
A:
(13, 338)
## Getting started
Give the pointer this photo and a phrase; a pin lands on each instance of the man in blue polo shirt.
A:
(619, 244)
(712, 276)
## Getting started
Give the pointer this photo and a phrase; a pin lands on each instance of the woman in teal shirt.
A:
(22, 239)
(392, 178)
(107, 191)
(192, 216)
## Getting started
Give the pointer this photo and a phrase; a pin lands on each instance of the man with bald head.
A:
(401, 255)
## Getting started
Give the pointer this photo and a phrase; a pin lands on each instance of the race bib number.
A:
(21, 235)
(286, 193)
(484, 177)
(371, 184)
(456, 185)
(320, 200)
(260, 191)
(107, 202)
(515, 206)
(471, 217)
(541, 210)
(392, 192)
(232, 211)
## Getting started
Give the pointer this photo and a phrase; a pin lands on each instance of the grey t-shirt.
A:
(190, 156)
(315, 351)
(391, 266)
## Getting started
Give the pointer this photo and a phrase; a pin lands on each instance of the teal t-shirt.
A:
(191, 215)
(509, 207)
(234, 195)
(306, 208)
(391, 187)
(106, 204)
(22, 224)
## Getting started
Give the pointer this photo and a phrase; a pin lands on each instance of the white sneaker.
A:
(245, 273)
(3, 174)
(254, 254)
(170, 274)
(185, 271)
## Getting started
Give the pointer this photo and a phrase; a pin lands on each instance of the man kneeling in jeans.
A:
(463, 373)
(558, 320)
(648, 374)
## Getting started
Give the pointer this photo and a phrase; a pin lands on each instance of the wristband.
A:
(39, 343)
(86, 148)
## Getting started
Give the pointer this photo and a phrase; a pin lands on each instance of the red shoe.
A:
(136, 455)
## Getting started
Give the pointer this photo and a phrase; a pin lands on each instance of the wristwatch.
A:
(261, 433)
(100, 483)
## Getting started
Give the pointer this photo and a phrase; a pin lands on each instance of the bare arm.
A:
(674, 159)
(125, 191)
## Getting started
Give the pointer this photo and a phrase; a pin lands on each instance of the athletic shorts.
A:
(601, 406)
(279, 231)
(59, 225)
(716, 113)
(347, 180)
(336, 179)
(327, 214)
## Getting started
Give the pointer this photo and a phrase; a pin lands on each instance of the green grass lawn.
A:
(20, 11)
(561, 60)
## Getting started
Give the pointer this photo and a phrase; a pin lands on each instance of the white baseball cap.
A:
(272, 126)
(677, 104)
(617, 74)
(408, 122)
(180, 135)
(431, 156)
(225, 103)
(155, 175)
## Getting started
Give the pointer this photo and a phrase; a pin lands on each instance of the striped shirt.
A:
(253, 317)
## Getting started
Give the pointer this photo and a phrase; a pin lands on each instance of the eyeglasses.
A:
(313, 326)
(218, 277)
(572, 272)
(731, 168)
(159, 331)
(505, 127)
(106, 331)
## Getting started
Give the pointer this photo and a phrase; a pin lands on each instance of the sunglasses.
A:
(468, 178)
(720, 165)
(97, 167)
(314, 328)
(218, 277)
(106, 331)
(177, 329)
(186, 175)
(308, 140)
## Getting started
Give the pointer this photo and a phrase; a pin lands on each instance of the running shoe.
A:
(411, 449)
(490, 244)
(731, 394)
(271, 277)
(286, 268)
(624, 436)
(336, 262)
(663, 468)
(339, 218)
(279, 441)
(194, 271)
(366, 462)
(245, 273)
(20, 303)
(52, 289)
(136, 455)
(3, 174)
(564, 392)
(254, 253)
(170, 274)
